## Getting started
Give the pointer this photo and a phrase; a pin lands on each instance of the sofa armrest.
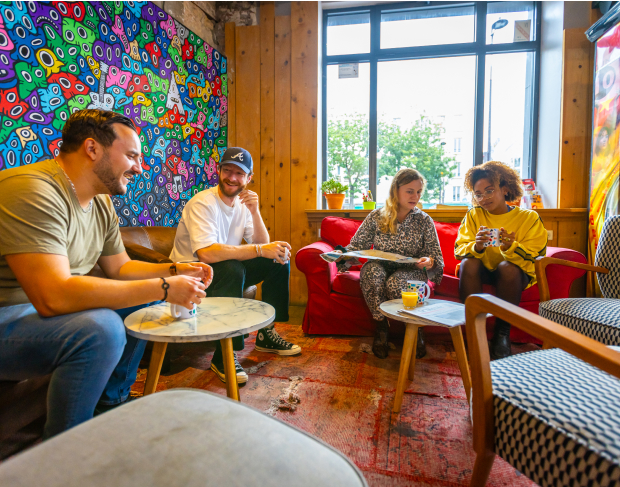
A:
(560, 267)
(308, 260)
(138, 252)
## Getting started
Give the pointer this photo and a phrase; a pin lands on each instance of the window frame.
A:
(479, 48)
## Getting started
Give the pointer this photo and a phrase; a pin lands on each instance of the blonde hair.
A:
(388, 220)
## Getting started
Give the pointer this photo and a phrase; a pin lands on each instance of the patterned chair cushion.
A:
(557, 419)
(607, 255)
(597, 318)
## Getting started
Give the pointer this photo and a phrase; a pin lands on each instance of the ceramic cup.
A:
(421, 288)
(181, 312)
(494, 234)
(410, 300)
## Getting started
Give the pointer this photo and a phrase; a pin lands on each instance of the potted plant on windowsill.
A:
(334, 193)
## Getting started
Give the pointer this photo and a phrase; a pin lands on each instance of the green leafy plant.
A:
(331, 186)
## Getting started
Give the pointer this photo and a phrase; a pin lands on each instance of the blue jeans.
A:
(89, 355)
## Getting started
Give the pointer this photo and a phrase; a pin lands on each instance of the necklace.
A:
(90, 205)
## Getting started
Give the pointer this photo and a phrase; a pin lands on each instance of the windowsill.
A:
(576, 214)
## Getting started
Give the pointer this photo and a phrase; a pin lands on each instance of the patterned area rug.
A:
(338, 391)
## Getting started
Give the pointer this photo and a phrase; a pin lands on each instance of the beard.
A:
(231, 194)
(105, 172)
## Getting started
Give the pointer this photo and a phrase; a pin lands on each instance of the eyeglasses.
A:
(487, 194)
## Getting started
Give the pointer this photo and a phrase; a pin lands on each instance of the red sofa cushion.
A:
(447, 233)
(348, 283)
(339, 231)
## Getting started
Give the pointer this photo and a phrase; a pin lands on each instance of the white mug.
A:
(178, 311)
(420, 287)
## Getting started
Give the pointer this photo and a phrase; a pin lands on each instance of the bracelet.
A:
(260, 248)
(256, 248)
(173, 269)
(165, 287)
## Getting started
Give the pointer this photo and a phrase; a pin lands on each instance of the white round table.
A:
(216, 319)
(452, 319)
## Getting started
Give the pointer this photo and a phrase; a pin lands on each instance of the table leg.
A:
(413, 357)
(152, 375)
(410, 335)
(461, 357)
(232, 388)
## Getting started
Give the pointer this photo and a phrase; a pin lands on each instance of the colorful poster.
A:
(129, 57)
(605, 136)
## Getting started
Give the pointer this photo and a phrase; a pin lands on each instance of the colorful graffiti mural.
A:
(130, 57)
(605, 171)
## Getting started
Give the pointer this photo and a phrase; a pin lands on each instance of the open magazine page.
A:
(369, 254)
(442, 312)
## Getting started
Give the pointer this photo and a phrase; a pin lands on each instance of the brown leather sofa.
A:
(23, 404)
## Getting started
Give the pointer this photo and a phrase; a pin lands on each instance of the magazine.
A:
(444, 312)
(369, 254)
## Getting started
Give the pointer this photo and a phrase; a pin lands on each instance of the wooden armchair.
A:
(551, 414)
(597, 318)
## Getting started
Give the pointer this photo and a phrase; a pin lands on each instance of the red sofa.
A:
(335, 302)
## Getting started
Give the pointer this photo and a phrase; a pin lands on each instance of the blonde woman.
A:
(402, 228)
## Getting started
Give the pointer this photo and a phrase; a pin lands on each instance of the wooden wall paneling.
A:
(229, 42)
(553, 226)
(283, 128)
(576, 120)
(573, 235)
(247, 60)
(267, 115)
(304, 99)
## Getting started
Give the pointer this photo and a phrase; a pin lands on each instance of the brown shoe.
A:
(380, 345)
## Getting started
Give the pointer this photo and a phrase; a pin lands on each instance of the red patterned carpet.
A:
(345, 398)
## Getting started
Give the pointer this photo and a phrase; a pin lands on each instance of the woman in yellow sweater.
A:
(522, 238)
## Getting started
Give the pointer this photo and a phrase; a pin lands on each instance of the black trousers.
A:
(231, 277)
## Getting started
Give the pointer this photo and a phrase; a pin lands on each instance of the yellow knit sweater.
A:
(530, 238)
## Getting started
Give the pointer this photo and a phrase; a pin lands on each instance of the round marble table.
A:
(216, 319)
(452, 318)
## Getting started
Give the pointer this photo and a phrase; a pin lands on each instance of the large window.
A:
(433, 86)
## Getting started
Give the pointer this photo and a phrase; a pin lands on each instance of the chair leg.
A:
(546, 345)
(482, 469)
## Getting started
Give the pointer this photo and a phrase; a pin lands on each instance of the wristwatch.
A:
(173, 270)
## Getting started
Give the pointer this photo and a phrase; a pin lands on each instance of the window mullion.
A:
(375, 47)
(481, 28)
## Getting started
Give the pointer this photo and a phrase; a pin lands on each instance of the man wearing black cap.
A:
(214, 224)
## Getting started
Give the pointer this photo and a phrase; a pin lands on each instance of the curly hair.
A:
(388, 220)
(497, 173)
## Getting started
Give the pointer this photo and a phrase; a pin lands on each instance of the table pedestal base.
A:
(157, 359)
(407, 361)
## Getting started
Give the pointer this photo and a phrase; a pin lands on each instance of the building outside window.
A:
(399, 84)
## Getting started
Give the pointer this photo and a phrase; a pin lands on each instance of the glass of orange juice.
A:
(410, 299)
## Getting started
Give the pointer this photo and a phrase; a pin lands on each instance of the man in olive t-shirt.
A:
(56, 223)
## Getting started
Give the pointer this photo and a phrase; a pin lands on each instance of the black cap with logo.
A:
(239, 157)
